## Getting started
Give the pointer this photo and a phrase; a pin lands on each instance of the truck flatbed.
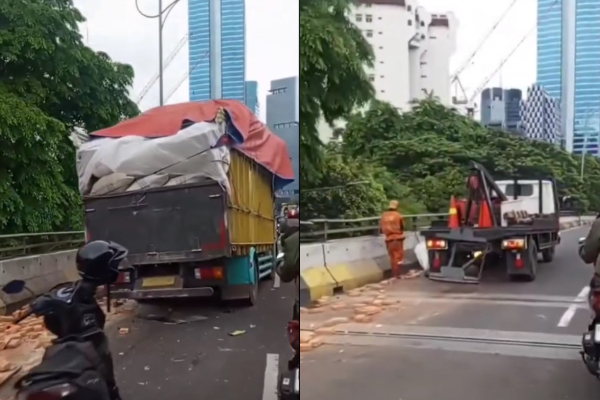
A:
(491, 234)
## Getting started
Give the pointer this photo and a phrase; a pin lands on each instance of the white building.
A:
(412, 49)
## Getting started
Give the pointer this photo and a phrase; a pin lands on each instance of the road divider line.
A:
(271, 377)
(566, 318)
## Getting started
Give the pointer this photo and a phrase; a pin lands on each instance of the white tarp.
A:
(189, 152)
(113, 183)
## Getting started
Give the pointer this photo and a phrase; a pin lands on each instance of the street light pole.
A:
(160, 52)
(161, 24)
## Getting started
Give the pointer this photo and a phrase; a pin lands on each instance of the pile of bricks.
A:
(22, 345)
(360, 305)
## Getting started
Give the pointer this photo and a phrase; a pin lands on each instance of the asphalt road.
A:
(201, 360)
(497, 351)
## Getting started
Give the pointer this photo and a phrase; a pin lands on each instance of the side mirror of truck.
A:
(581, 240)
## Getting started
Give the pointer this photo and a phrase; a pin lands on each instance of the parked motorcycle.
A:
(78, 365)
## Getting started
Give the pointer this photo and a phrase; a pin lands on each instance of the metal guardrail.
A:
(370, 226)
(361, 226)
(25, 244)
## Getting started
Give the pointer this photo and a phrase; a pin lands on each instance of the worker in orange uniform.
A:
(392, 226)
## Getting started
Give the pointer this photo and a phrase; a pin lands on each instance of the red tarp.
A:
(259, 143)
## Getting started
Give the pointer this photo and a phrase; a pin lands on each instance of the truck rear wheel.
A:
(533, 261)
(253, 294)
(548, 254)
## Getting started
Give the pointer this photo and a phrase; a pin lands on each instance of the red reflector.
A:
(437, 262)
(124, 277)
(519, 262)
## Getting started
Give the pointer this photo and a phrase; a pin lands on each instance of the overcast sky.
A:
(476, 18)
(115, 27)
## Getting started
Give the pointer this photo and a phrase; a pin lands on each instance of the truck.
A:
(210, 236)
(509, 222)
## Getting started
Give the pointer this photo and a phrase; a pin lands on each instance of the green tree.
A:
(343, 189)
(50, 82)
(430, 148)
(333, 55)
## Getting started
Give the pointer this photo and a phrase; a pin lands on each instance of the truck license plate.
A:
(158, 281)
(597, 333)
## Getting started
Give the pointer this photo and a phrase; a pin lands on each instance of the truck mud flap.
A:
(465, 265)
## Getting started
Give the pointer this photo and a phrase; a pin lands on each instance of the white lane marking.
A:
(277, 281)
(566, 318)
(271, 377)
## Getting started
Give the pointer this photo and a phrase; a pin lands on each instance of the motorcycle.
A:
(289, 381)
(78, 364)
(591, 338)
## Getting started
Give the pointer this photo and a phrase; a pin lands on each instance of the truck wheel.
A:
(548, 254)
(533, 254)
(253, 295)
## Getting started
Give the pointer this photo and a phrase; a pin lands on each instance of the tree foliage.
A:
(333, 82)
(50, 82)
(353, 188)
(429, 150)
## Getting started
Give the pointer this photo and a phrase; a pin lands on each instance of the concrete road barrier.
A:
(40, 273)
(326, 268)
(341, 265)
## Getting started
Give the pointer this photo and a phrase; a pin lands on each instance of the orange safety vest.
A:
(392, 226)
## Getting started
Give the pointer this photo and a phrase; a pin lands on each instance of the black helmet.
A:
(98, 261)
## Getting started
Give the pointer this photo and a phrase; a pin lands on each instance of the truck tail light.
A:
(514, 244)
(124, 277)
(437, 244)
(208, 273)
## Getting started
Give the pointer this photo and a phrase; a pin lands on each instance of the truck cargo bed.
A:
(541, 225)
(167, 224)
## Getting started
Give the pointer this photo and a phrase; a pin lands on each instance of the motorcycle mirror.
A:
(581, 240)
(14, 287)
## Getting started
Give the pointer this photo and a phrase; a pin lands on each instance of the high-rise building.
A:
(217, 49)
(568, 66)
(412, 49)
(501, 108)
(251, 100)
(283, 116)
(541, 115)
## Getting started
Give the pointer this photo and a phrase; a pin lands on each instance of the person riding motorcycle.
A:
(289, 270)
(589, 252)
